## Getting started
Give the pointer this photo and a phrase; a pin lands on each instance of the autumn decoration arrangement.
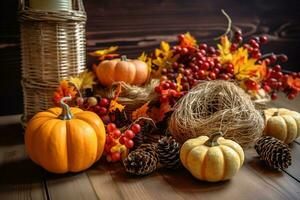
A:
(187, 106)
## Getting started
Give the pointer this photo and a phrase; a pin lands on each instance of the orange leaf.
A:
(294, 83)
(178, 82)
(118, 92)
(63, 90)
(114, 105)
(158, 114)
(140, 112)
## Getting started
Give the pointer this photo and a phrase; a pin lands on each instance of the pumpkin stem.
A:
(123, 58)
(213, 140)
(276, 114)
(66, 112)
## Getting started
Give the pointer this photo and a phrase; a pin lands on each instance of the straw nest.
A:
(132, 96)
(217, 106)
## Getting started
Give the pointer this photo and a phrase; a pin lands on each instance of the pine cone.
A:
(274, 152)
(142, 161)
(168, 152)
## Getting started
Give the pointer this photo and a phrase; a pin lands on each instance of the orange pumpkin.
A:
(134, 72)
(65, 139)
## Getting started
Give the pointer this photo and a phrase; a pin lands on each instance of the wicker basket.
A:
(53, 48)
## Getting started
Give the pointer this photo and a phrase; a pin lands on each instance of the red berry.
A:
(212, 75)
(115, 156)
(79, 101)
(203, 46)
(263, 39)
(122, 139)
(104, 102)
(184, 50)
(216, 71)
(267, 61)
(203, 52)
(257, 56)
(164, 71)
(211, 50)
(157, 89)
(129, 144)
(173, 85)
(273, 58)
(165, 85)
(267, 88)
(274, 96)
(111, 127)
(254, 44)
(238, 33)
(291, 96)
(251, 85)
(201, 73)
(233, 46)
(283, 58)
(136, 128)
(109, 139)
(116, 133)
(277, 68)
(239, 39)
(175, 65)
(102, 111)
(180, 37)
(205, 66)
(129, 134)
(224, 77)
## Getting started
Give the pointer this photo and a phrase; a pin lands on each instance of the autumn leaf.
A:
(114, 105)
(140, 112)
(294, 83)
(178, 82)
(64, 90)
(188, 41)
(224, 47)
(103, 52)
(164, 58)
(243, 67)
(158, 114)
(143, 57)
(85, 80)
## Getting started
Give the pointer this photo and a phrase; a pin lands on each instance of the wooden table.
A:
(20, 178)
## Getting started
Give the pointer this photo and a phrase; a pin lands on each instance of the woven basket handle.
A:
(77, 5)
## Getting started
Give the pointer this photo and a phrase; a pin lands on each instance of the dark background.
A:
(140, 25)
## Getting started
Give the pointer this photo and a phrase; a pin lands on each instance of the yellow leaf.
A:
(243, 66)
(165, 46)
(145, 58)
(114, 105)
(140, 112)
(104, 51)
(84, 80)
(224, 47)
(178, 82)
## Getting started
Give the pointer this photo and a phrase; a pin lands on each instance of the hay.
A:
(217, 106)
(132, 96)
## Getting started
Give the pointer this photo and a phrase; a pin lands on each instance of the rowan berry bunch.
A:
(119, 143)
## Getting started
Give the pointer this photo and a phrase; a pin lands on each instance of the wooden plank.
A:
(253, 181)
(69, 186)
(110, 181)
(20, 177)
(294, 170)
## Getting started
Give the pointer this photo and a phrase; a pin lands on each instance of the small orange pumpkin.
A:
(65, 139)
(134, 72)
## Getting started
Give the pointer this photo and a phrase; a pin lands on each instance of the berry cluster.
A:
(98, 105)
(117, 143)
(201, 62)
(168, 91)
